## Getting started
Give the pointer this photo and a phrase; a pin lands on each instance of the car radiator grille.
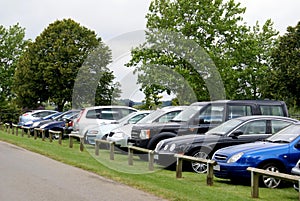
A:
(219, 157)
(135, 134)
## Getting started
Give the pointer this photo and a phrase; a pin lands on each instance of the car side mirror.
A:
(237, 133)
(297, 145)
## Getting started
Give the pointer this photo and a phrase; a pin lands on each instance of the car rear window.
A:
(271, 110)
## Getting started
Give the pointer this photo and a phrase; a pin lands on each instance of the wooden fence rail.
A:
(81, 139)
(139, 149)
(52, 133)
(111, 147)
(15, 127)
(256, 173)
(210, 165)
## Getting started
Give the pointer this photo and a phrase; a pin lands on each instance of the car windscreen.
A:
(287, 134)
(187, 113)
(152, 116)
(224, 127)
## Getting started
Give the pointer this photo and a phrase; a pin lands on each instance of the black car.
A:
(235, 131)
(202, 116)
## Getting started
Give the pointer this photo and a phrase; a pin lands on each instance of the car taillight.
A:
(70, 123)
(80, 115)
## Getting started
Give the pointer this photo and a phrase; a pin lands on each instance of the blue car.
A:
(49, 117)
(59, 124)
(278, 153)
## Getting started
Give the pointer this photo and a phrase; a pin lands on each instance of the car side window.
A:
(254, 127)
(168, 116)
(136, 118)
(213, 114)
(277, 125)
(124, 112)
(271, 110)
(235, 111)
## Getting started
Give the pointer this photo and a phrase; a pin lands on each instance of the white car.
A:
(90, 117)
(121, 134)
(101, 132)
(33, 115)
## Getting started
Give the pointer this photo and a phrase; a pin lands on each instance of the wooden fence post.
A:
(254, 184)
(35, 133)
(151, 160)
(210, 174)
(130, 156)
(112, 150)
(81, 143)
(43, 135)
(179, 168)
(70, 141)
(60, 137)
(50, 136)
(97, 144)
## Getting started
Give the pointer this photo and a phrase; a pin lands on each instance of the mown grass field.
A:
(160, 182)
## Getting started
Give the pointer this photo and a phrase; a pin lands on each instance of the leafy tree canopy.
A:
(283, 80)
(12, 44)
(221, 40)
(48, 69)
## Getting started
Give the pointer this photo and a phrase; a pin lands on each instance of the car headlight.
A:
(235, 157)
(35, 124)
(44, 126)
(119, 135)
(92, 132)
(145, 134)
(172, 147)
(159, 146)
(29, 123)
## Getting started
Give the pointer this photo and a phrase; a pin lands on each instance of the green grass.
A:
(159, 182)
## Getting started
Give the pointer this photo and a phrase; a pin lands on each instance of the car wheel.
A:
(271, 182)
(199, 167)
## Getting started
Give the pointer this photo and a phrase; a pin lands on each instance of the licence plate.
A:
(156, 156)
(217, 167)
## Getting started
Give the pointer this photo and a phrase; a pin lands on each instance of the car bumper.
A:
(139, 142)
(164, 159)
(296, 171)
(231, 171)
(118, 141)
(90, 140)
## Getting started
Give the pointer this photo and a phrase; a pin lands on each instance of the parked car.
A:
(32, 115)
(101, 131)
(60, 124)
(92, 116)
(48, 117)
(278, 153)
(296, 171)
(121, 134)
(202, 116)
(232, 132)
(61, 117)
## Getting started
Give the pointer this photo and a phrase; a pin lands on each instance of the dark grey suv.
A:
(201, 116)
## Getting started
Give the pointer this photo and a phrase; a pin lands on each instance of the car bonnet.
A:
(248, 148)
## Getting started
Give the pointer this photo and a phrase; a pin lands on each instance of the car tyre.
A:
(199, 167)
(271, 182)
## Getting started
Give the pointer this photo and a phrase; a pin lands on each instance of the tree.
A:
(225, 52)
(283, 80)
(48, 69)
(12, 45)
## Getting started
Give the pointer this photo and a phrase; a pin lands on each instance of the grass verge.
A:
(161, 182)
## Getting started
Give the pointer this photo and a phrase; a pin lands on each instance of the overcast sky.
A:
(110, 18)
(116, 20)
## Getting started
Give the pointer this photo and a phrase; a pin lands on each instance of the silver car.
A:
(101, 131)
(121, 134)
